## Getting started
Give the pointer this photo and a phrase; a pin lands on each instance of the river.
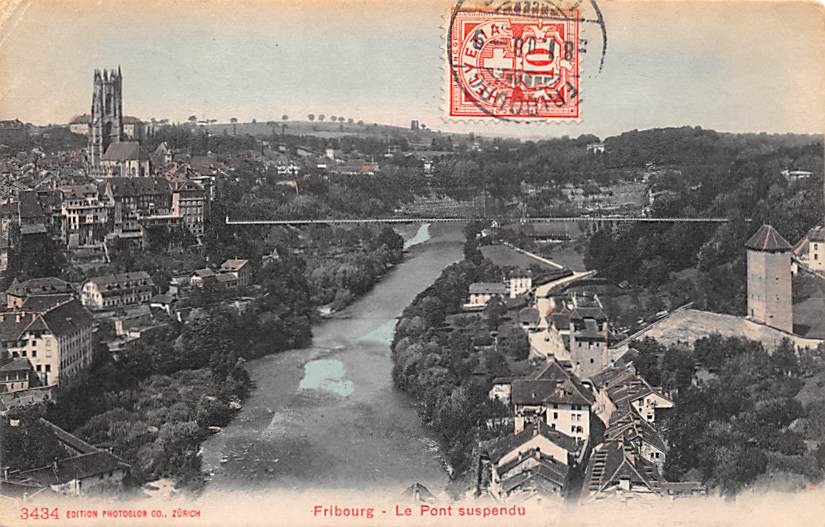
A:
(328, 416)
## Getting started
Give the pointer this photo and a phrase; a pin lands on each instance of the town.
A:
(622, 324)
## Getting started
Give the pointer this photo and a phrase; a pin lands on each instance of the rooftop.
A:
(488, 288)
(123, 151)
(498, 448)
(769, 240)
(35, 286)
(121, 279)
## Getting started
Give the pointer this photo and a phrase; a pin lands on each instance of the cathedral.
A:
(106, 122)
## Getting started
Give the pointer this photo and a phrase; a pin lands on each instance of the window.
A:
(48, 367)
(573, 429)
(555, 415)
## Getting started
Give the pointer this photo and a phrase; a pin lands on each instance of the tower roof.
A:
(768, 239)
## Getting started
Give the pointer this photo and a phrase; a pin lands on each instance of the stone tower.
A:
(769, 279)
(106, 123)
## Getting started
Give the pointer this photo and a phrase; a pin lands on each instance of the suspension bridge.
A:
(586, 220)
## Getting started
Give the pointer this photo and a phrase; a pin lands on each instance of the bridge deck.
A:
(566, 219)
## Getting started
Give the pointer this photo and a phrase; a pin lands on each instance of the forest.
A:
(742, 421)
(736, 177)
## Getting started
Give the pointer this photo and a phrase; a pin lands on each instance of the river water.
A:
(328, 416)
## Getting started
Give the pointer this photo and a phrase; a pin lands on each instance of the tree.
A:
(494, 311)
(233, 120)
(285, 117)
(342, 119)
(321, 117)
(350, 120)
(193, 119)
(513, 341)
(311, 117)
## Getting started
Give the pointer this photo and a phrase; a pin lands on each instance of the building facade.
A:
(85, 215)
(57, 341)
(117, 290)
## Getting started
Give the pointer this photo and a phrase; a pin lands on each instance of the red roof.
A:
(767, 239)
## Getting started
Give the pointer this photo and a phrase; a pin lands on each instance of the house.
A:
(89, 470)
(519, 283)
(226, 280)
(80, 124)
(555, 396)
(165, 302)
(622, 387)
(627, 425)
(135, 199)
(85, 215)
(15, 374)
(615, 470)
(482, 292)
(203, 277)
(18, 292)
(811, 249)
(117, 290)
(577, 330)
(189, 203)
(240, 269)
(57, 342)
(534, 461)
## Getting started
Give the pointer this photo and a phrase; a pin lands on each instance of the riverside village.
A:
(198, 304)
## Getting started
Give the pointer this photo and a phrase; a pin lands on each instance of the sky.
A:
(729, 66)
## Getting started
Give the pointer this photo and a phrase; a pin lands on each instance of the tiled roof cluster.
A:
(551, 384)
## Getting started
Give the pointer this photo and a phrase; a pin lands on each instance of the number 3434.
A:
(39, 513)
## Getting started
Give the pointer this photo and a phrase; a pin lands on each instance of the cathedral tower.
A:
(769, 279)
(106, 123)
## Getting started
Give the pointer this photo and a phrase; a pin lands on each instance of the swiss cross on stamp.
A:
(513, 66)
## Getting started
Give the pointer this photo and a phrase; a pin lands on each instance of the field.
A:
(504, 256)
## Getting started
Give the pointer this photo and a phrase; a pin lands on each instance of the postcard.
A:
(346, 263)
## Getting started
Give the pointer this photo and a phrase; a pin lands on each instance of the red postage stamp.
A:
(513, 66)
